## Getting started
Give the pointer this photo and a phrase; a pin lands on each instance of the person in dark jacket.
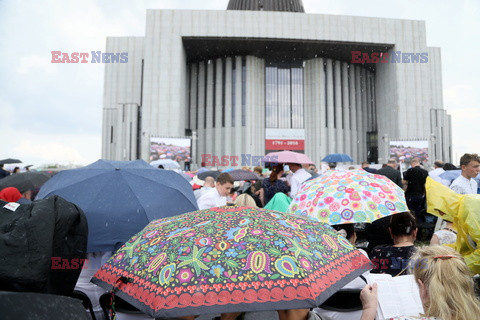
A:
(390, 171)
(415, 178)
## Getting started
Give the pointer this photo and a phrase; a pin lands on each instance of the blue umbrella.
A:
(337, 157)
(450, 175)
(120, 198)
(166, 163)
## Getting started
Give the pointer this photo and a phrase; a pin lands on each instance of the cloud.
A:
(28, 63)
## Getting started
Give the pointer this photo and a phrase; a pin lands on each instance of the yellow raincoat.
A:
(464, 211)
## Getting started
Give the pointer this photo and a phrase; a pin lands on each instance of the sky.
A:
(52, 113)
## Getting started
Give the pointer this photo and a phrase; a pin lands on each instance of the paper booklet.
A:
(397, 296)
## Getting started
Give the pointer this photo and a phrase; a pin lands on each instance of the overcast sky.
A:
(52, 113)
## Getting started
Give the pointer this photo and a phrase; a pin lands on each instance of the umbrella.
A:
(240, 175)
(337, 157)
(228, 169)
(451, 175)
(186, 176)
(24, 181)
(350, 196)
(211, 173)
(287, 157)
(119, 198)
(166, 163)
(279, 202)
(28, 305)
(231, 259)
(10, 160)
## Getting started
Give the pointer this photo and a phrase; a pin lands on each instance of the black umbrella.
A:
(25, 181)
(10, 160)
(38, 306)
(211, 173)
(240, 175)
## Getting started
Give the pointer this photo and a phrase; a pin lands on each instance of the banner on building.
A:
(177, 149)
(284, 139)
(406, 150)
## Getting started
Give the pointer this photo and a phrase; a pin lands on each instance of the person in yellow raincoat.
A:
(464, 211)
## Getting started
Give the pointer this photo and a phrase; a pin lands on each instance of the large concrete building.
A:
(265, 75)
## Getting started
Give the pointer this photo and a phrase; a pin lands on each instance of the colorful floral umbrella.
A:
(348, 197)
(231, 259)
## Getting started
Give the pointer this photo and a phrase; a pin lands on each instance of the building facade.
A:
(264, 76)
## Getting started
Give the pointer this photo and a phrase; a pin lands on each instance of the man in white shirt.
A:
(299, 176)
(208, 185)
(217, 197)
(435, 173)
(465, 184)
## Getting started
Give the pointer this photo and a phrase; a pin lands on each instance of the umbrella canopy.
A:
(337, 157)
(28, 305)
(231, 259)
(25, 181)
(228, 169)
(9, 160)
(120, 198)
(166, 163)
(240, 175)
(349, 197)
(287, 157)
(211, 173)
(279, 202)
(451, 175)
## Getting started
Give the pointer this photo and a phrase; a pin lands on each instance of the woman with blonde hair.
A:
(245, 200)
(445, 284)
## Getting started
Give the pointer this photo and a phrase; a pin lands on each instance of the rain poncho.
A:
(464, 212)
(279, 202)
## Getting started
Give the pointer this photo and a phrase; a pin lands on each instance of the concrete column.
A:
(218, 136)
(193, 95)
(210, 139)
(363, 79)
(330, 109)
(353, 116)
(338, 108)
(228, 107)
(346, 110)
(201, 112)
(239, 138)
(360, 115)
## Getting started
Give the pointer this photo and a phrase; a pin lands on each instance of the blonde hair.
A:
(448, 281)
(245, 200)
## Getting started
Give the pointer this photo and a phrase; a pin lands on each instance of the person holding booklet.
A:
(445, 285)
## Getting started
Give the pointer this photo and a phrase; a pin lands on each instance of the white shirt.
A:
(297, 179)
(463, 185)
(211, 199)
(200, 192)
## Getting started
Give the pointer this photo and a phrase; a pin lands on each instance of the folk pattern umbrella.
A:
(348, 197)
(231, 259)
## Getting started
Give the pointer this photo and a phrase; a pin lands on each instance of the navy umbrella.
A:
(25, 180)
(240, 175)
(9, 160)
(337, 157)
(120, 198)
(211, 173)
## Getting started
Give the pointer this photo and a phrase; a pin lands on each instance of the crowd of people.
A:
(444, 280)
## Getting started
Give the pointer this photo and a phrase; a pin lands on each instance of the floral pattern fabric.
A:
(348, 197)
(210, 260)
